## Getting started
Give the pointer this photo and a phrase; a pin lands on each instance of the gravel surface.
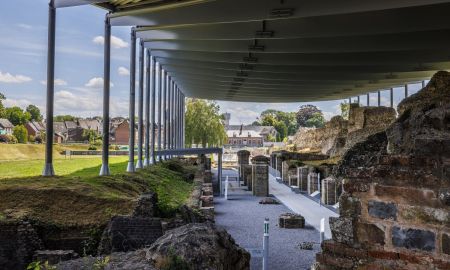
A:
(243, 217)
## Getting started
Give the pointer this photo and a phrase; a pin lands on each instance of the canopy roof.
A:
(290, 50)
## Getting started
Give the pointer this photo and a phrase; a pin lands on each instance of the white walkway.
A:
(302, 205)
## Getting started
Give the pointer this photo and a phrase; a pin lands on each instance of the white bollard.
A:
(322, 230)
(265, 263)
(226, 188)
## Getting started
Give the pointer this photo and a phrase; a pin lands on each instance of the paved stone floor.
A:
(243, 217)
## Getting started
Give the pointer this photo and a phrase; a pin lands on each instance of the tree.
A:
(34, 112)
(204, 123)
(62, 118)
(2, 108)
(21, 133)
(345, 110)
(17, 116)
(281, 129)
(275, 118)
(306, 112)
(317, 120)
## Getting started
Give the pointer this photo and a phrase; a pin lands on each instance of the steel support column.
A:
(391, 96)
(379, 98)
(48, 167)
(219, 171)
(183, 139)
(153, 94)
(172, 114)
(406, 90)
(358, 100)
(169, 116)
(423, 84)
(130, 167)
(140, 164)
(368, 99)
(159, 75)
(177, 108)
(104, 170)
(147, 110)
(165, 111)
(349, 100)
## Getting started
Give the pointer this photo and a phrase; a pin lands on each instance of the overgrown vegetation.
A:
(81, 197)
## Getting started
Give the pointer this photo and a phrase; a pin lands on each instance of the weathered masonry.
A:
(395, 209)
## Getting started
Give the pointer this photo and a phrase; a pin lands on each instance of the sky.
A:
(79, 65)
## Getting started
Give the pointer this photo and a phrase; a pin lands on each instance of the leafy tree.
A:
(17, 116)
(34, 112)
(275, 118)
(21, 133)
(256, 123)
(62, 118)
(345, 110)
(317, 120)
(2, 108)
(204, 123)
(306, 112)
(282, 130)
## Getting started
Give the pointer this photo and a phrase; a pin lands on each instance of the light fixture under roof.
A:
(264, 34)
(241, 74)
(245, 66)
(250, 59)
(282, 12)
(255, 47)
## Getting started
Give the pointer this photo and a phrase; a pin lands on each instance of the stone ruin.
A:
(395, 210)
(243, 159)
(291, 221)
(260, 176)
(338, 134)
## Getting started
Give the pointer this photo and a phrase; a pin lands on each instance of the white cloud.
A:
(16, 102)
(58, 82)
(86, 103)
(24, 26)
(116, 43)
(123, 71)
(9, 78)
(96, 82)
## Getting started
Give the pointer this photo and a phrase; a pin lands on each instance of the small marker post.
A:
(266, 245)
(226, 188)
(322, 230)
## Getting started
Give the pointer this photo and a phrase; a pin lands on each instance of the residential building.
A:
(6, 128)
(238, 138)
(239, 135)
(35, 128)
(120, 132)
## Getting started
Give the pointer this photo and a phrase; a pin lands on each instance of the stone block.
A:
(268, 201)
(382, 210)
(247, 175)
(342, 230)
(413, 238)
(260, 180)
(408, 195)
(445, 243)
(125, 233)
(349, 206)
(54, 256)
(291, 221)
(146, 205)
(370, 233)
(329, 191)
(313, 182)
(207, 201)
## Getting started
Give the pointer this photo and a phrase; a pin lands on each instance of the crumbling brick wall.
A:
(338, 135)
(395, 211)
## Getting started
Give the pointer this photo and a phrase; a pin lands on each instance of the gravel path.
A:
(243, 217)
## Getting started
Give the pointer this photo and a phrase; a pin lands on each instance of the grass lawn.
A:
(79, 196)
(76, 166)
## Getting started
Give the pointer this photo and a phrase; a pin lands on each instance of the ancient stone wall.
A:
(338, 135)
(18, 242)
(395, 211)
